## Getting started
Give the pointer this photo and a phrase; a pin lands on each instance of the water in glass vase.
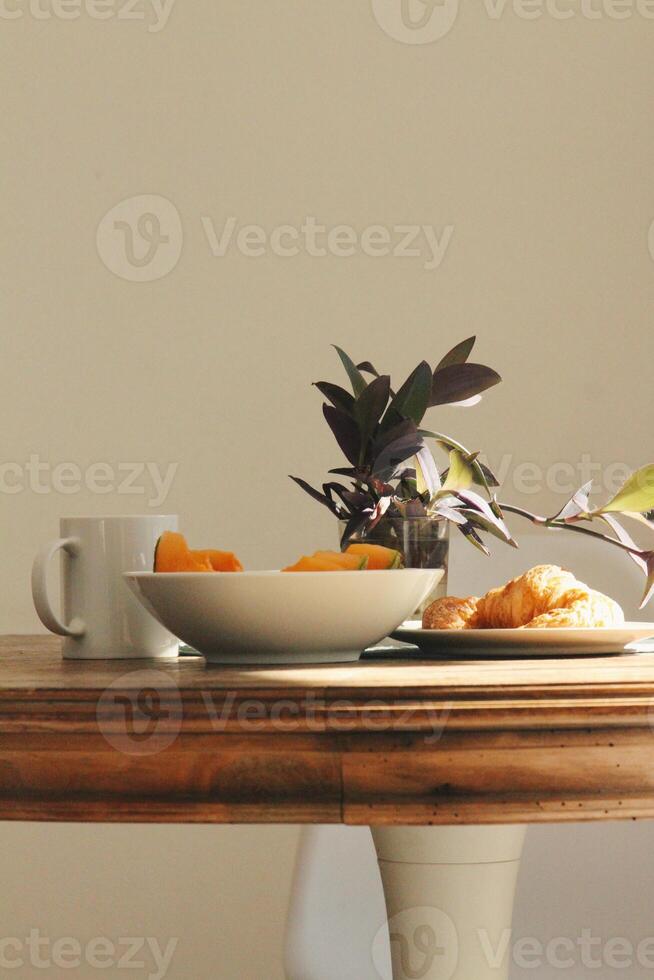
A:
(422, 541)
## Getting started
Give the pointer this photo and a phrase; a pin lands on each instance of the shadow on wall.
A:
(581, 887)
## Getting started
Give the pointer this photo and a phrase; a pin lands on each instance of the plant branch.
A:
(554, 525)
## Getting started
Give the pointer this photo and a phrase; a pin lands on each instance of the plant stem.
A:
(553, 525)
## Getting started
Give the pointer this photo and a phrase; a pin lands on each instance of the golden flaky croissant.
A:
(546, 596)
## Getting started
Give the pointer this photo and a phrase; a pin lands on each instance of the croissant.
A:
(544, 597)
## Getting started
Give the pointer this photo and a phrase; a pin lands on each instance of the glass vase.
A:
(423, 542)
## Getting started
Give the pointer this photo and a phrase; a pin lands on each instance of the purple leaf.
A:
(336, 488)
(339, 397)
(429, 471)
(649, 588)
(458, 354)
(351, 471)
(380, 509)
(357, 500)
(449, 513)
(356, 378)
(412, 400)
(386, 464)
(368, 368)
(480, 505)
(577, 505)
(469, 532)
(353, 499)
(345, 431)
(493, 527)
(626, 538)
(370, 406)
(415, 508)
(354, 524)
(460, 381)
(317, 495)
(406, 427)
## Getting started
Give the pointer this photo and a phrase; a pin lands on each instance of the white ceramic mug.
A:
(101, 618)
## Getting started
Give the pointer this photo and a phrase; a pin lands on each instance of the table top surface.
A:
(34, 664)
(476, 692)
(387, 741)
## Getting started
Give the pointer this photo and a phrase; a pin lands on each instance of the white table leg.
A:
(449, 899)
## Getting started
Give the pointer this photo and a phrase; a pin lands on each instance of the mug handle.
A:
(40, 588)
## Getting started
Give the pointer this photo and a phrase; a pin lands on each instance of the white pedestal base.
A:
(449, 899)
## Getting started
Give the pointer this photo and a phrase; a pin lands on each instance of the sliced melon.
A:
(348, 562)
(378, 556)
(309, 563)
(171, 554)
(220, 561)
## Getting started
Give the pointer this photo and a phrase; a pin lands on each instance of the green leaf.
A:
(458, 354)
(636, 495)
(412, 400)
(460, 476)
(357, 380)
(477, 467)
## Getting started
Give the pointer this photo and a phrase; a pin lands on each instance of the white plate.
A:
(282, 617)
(525, 643)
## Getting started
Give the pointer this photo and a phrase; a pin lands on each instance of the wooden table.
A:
(400, 746)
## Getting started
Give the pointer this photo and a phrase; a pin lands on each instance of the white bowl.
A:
(282, 617)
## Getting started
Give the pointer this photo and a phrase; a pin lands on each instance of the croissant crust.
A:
(544, 597)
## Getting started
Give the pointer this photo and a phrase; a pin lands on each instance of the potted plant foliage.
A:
(392, 492)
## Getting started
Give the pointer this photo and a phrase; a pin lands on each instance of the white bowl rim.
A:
(262, 573)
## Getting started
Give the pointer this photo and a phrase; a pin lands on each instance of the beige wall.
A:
(531, 138)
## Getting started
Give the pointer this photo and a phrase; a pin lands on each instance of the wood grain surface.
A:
(368, 743)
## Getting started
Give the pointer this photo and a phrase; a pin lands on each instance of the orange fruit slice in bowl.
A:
(378, 557)
(347, 561)
(220, 561)
(172, 554)
(310, 563)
